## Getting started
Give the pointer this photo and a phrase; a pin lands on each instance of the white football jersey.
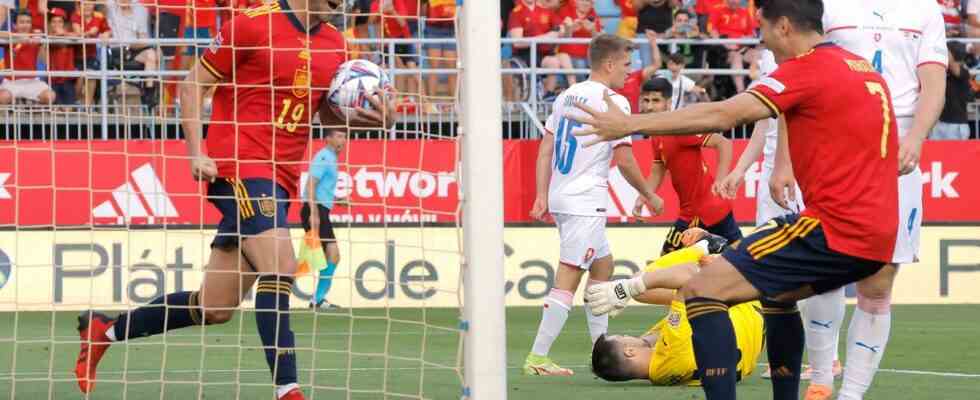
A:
(767, 65)
(579, 175)
(896, 36)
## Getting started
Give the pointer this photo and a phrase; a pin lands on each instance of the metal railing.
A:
(522, 118)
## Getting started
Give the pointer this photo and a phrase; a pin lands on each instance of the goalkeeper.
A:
(665, 353)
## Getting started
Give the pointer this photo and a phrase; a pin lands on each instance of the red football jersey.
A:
(61, 57)
(535, 21)
(733, 23)
(94, 26)
(578, 50)
(631, 89)
(691, 178)
(843, 144)
(626, 9)
(260, 125)
(22, 57)
(441, 12)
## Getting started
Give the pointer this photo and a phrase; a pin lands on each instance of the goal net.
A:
(99, 210)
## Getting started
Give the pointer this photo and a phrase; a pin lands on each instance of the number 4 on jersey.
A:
(876, 61)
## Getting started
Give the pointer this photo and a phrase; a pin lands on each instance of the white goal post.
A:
(485, 353)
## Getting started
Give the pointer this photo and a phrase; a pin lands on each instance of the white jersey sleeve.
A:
(767, 65)
(932, 47)
(973, 7)
(579, 175)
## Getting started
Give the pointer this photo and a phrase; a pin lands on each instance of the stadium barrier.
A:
(148, 182)
(115, 269)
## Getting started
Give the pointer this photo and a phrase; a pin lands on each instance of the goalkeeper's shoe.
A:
(294, 394)
(541, 365)
(324, 305)
(91, 329)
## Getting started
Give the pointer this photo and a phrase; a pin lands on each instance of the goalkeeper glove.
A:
(612, 297)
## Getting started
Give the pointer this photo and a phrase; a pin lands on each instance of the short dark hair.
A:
(683, 11)
(25, 12)
(659, 85)
(957, 51)
(677, 58)
(607, 360)
(806, 15)
(605, 46)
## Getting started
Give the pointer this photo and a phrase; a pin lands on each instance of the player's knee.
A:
(6, 97)
(215, 317)
(876, 302)
(561, 297)
(694, 288)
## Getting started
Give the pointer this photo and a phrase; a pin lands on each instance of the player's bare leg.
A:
(555, 313)
(868, 333)
(271, 253)
(223, 283)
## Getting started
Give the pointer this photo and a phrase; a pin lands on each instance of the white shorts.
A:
(909, 209)
(765, 207)
(583, 239)
(30, 89)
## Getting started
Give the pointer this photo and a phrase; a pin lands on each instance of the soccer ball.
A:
(355, 80)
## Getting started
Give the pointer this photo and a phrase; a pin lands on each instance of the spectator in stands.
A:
(61, 57)
(653, 16)
(399, 20)
(953, 17)
(6, 6)
(704, 9)
(953, 123)
(129, 22)
(685, 27)
(200, 24)
(23, 54)
(440, 23)
(39, 10)
(531, 19)
(90, 24)
(685, 89)
(580, 19)
(635, 80)
(627, 19)
(733, 22)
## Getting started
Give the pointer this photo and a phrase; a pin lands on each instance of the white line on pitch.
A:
(446, 368)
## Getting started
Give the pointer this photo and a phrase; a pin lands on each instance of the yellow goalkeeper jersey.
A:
(672, 362)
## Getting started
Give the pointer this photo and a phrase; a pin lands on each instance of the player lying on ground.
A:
(257, 137)
(664, 355)
(572, 186)
(841, 145)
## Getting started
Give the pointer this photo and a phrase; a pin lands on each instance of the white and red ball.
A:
(354, 82)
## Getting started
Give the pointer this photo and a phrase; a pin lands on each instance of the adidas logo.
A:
(149, 199)
(4, 194)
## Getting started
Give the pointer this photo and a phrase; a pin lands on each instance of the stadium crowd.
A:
(26, 23)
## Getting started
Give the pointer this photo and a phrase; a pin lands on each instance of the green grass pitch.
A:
(412, 353)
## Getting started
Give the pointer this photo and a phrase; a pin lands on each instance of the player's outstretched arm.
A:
(542, 177)
(728, 188)
(695, 119)
(623, 156)
(190, 92)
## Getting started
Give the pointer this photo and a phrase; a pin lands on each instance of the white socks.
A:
(822, 319)
(866, 340)
(597, 325)
(553, 317)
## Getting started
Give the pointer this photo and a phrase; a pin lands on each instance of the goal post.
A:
(485, 353)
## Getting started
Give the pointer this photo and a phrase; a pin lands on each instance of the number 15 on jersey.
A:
(566, 144)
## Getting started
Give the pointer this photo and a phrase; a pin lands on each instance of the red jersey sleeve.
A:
(229, 46)
(787, 87)
(516, 19)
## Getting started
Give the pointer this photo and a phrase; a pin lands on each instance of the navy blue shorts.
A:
(791, 252)
(726, 228)
(248, 207)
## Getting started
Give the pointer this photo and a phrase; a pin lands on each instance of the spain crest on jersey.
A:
(301, 82)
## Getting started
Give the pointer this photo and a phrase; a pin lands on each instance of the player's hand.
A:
(607, 125)
(381, 114)
(203, 168)
(539, 210)
(727, 187)
(612, 297)
(909, 152)
(692, 235)
(652, 202)
(782, 188)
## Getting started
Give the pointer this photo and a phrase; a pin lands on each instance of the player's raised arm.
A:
(190, 93)
(695, 119)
